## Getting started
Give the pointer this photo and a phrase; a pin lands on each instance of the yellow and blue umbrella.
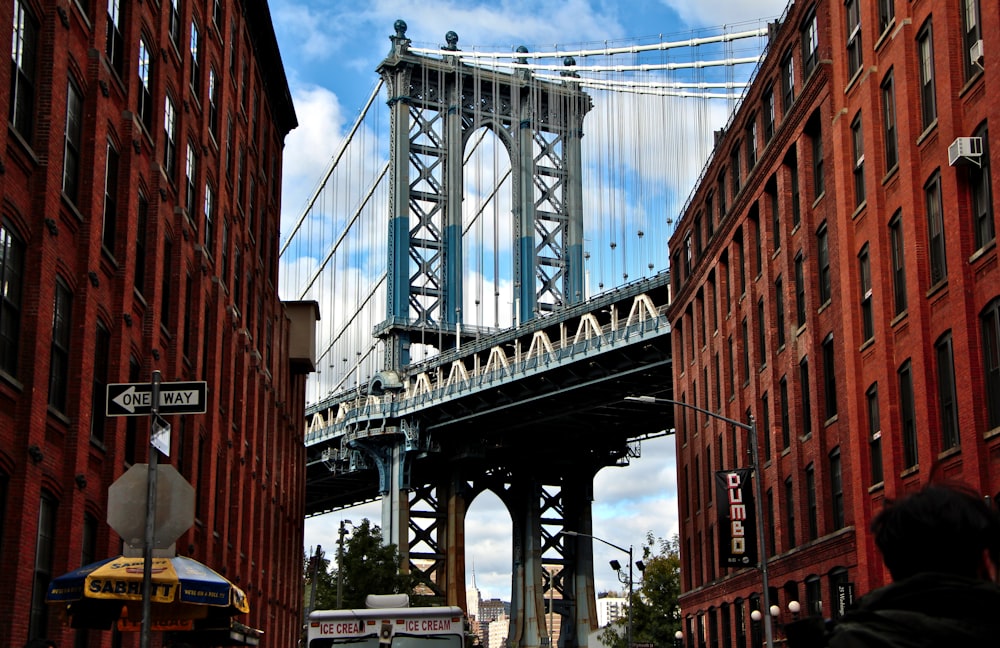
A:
(182, 589)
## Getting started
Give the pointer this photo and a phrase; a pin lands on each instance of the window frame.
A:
(72, 142)
(989, 324)
(24, 72)
(937, 250)
(858, 150)
(925, 66)
(889, 131)
(855, 59)
(907, 415)
(865, 297)
(980, 183)
(944, 356)
(13, 249)
(59, 351)
(875, 465)
(897, 248)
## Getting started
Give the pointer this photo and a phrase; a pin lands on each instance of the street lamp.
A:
(679, 639)
(340, 560)
(751, 430)
(617, 567)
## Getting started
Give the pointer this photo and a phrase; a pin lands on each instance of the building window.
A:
(816, 138)
(898, 267)
(865, 286)
(806, 407)
(229, 148)
(45, 541)
(928, 98)
(110, 199)
(786, 428)
(889, 121)
(800, 291)
(72, 142)
(793, 176)
(836, 491)
(771, 545)
(907, 415)
(947, 398)
(971, 34)
(732, 369)
(170, 140)
(751, 139)
(989, 321)
(722, 195)
(167, 282)
(114, 44)
(190, 176)
(787, 82)
(735, 169)
(886, 14)
(195, 60)
(209, 218)
(746, 352)
(810, 43)
(145, 106)
(213, 104)
(814, 597)
(853, 12)
(982, 196)
(858, 146)
(935, 230)
(772, 195)
(829, 377)
(823, 263)
(217, 15)
(102, 351)
(779, 304)
(789, 514)
(812, 517)
(139, 278)
(765, 420)
(874, 434)
(24, 55)
(758, 263)
(12, 249)
(761, 334)
(59, 364)
(88, 549)
(175, 24)
(769, 114)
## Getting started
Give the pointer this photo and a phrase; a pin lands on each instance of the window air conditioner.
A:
(976, 53)
(965, 150)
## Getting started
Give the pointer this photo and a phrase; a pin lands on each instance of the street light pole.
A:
(340, 561)
(628, 551)
(751, 430)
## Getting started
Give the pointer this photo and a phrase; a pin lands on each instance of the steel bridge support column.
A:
(578, 578)
(574, 210)
(453, 206)
(396, 505)
(524, 216)
(455, 545)
(527, 596)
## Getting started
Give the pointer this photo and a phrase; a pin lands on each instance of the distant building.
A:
(610, 609)
(140, 179)
(835, 275)
(497, 631)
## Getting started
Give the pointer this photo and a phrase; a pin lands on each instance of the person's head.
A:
(941, 528)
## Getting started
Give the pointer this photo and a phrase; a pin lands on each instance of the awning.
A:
(109, 591)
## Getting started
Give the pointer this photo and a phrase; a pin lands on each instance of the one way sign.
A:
(135, 399)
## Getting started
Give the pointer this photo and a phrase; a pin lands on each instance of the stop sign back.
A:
(174, 505)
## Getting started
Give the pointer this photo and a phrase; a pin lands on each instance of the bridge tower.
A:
(436, 103)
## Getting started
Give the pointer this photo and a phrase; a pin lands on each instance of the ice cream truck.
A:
(388, 622)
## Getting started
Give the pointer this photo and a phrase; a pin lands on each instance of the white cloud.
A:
(710, 12)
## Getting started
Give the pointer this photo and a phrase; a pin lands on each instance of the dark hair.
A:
(940, 528)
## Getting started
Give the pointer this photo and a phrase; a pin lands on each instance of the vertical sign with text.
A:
(736, 518)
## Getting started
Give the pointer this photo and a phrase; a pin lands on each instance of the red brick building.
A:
(139, 211)
(835, 276)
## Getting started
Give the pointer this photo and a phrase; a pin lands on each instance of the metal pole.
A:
(315, 577)
(340, 561)
(759, 505)
(761, 547)
(147, 550)
(629, 610)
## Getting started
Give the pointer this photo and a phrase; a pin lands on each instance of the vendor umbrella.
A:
(182, 590)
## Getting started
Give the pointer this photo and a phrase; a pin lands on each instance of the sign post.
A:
(147, 551)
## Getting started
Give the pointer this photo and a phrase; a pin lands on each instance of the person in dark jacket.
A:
(941, 546)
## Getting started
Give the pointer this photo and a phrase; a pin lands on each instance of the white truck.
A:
(388, 622)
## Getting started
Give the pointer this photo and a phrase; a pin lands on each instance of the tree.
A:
(370, 568)
(316, 569)
(656, 614)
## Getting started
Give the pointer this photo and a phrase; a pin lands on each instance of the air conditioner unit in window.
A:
(976, 53)
(965, 150)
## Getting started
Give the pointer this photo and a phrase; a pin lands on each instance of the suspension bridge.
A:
(488, 249)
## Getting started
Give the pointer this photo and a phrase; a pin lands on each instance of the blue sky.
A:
(330, 49)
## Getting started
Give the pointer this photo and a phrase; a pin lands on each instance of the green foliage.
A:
(655, 611)
(316, 569)
(369, 567)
